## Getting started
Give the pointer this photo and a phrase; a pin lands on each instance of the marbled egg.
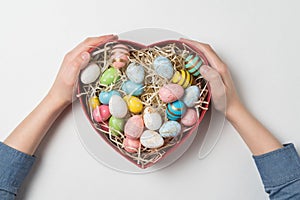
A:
(94, 102)
(170, 129)
(175, 110)
(131, 145)
(119, 56)
(132, 88)
(182, 78)
(111, 75)
(193, 64)
(134, 104)
(117, 106)
(163, 67)
(190, 117)
(104, 96)
(170, 92)
(134, 127)
(191, 95)
(90, 73)
(115, 125)
(101, 113)
(135, 72)
(151, 139)
(152, 118)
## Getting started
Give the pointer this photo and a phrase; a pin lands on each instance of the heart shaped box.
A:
(84, 101)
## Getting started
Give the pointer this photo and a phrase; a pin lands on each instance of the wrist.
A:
(55, 103)
(235, 111)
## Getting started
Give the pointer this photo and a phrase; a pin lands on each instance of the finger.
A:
(89, 43)
(209, 53)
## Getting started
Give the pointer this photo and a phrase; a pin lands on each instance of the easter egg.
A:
(175, 110)
(132, 88)
(134, 127)
(131, 145)
(151, 139)
(152, 118)
(101, 113)
(190, 117)
(90, 73)
(119, 56)
(94, 102)
(134, 104)
(182, 78)
(117, 106)
(191, 95)
(170, 92)
(116, 125)
(170, 129)
(135, 72)
(104, 96)
(163, 67)
(192, 64)
(111, 75)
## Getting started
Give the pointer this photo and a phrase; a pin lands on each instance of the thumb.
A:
(217, 86)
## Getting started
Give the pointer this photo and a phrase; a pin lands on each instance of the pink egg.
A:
(190, 117)
(119, 56)
(134, 127)
(131, 145)
(170, 92)
(101, 113)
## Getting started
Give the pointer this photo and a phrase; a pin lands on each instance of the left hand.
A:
(74, 61)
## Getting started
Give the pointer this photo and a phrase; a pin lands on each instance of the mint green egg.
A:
(115, 125)
(109, 76)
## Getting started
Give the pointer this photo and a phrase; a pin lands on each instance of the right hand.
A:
(224, 95)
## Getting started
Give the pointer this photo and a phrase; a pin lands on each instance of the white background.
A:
(259, 40)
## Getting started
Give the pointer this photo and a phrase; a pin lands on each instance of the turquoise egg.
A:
(192, 64)
(132, 88)
(104, 96)
(175, 110)
(191, 96)
(163, 67)
(135, 72)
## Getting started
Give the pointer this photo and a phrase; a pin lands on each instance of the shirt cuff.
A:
(279, 167)
(14, 167)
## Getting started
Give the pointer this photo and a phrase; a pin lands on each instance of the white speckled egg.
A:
(170, 129)
(90, 73)
(152, 118)
(151, 139)
(191, 95)
(170, 92)
(117, 106)
(163, 67)
(135, 72)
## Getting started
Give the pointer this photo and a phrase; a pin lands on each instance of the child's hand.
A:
(224, 94)
(62, 89)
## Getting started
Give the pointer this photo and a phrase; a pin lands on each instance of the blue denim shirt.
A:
(279, 170)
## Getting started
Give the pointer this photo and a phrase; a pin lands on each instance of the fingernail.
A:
(85, 55)
(204, 69)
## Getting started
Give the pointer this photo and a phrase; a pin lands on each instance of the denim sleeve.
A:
(14, 167)
(280, 172)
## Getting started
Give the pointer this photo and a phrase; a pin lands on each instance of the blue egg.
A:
(163, 67)
(132, 88)
(191, 96)
(135, 72)
(170, 129)
(175, 110)
(192, 64)
(104, 96)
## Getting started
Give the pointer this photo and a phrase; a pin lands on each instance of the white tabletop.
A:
(259, 40)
